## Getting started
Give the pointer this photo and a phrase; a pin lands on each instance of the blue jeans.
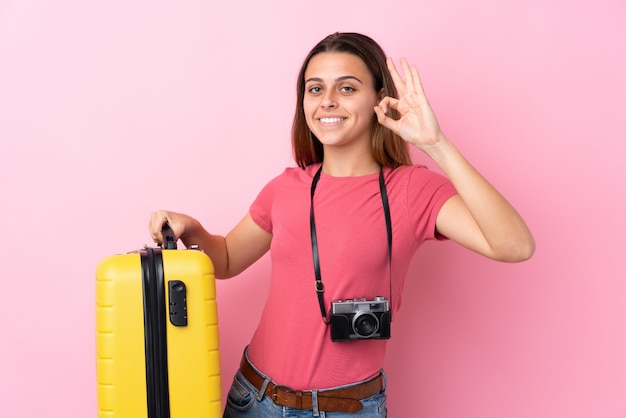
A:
(244, 401)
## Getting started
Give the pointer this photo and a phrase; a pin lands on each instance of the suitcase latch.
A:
(178, 303)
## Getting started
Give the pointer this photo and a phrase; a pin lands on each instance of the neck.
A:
(349, 165)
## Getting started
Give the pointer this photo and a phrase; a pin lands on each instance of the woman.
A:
(342, 229)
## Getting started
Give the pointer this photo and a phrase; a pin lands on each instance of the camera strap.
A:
(319, 286)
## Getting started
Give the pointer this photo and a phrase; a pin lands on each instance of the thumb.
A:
(385, 120)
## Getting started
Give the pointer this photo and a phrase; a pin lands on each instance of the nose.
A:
(329, 101)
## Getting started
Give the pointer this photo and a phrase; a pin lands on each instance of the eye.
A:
(347, 89)
(314, 89)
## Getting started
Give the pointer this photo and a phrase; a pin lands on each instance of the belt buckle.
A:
(282, 388)
(297, 394)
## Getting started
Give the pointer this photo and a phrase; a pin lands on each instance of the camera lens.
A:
(365, 324)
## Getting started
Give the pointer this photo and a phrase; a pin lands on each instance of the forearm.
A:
(503, 229)
(235, 252)
(479, 218)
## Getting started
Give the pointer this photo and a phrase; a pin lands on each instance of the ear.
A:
(381, 94)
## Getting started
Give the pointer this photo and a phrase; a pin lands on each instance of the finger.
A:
(385, 120)
(412, 77)
(151, 227)
(395, 76)
(408, 74)
(157, 220)
(390, 103)
(417, 80)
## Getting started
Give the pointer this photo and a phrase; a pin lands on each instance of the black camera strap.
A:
(319, 286)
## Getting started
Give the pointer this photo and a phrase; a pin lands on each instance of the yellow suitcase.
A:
(157, 342)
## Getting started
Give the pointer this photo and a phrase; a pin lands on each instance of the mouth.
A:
(331, 121)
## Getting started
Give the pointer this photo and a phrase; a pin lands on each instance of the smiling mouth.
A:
(330, 121)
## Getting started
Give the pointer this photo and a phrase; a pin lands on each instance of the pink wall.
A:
(109, 110)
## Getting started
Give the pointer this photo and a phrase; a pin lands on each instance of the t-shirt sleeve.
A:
(261, 208)
(427, 192)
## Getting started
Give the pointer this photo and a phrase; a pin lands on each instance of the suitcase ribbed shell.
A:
(192, 350)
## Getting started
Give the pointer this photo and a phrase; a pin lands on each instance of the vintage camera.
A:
(359, 319)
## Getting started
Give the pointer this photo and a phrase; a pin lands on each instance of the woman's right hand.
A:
(247, 242)
(180, 224)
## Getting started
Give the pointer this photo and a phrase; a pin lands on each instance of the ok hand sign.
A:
(417, 124)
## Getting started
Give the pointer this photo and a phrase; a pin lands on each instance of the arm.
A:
(479, 217)
(231, 255)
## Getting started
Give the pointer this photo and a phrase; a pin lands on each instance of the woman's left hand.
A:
(417, 123)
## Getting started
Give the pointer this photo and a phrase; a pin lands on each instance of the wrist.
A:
(190, 228)
(439, 148)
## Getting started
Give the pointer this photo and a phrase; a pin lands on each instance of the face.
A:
(339, 99)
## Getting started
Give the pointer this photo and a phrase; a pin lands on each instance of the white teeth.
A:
(330, 120)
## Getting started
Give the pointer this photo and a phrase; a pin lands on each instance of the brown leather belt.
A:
(332, 400)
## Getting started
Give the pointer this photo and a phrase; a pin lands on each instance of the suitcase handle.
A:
(169, 239)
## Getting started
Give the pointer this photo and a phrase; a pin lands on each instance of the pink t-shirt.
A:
(292, 343)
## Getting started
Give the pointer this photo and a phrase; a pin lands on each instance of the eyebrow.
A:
(337, 80)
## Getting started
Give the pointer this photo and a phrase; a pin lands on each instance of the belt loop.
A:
(382, 372)
(316, 409)
(261, 392)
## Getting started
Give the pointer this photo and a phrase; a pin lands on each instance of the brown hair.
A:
(388, 149)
